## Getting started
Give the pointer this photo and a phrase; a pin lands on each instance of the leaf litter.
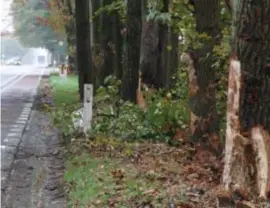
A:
(109, 172)
(146, 174)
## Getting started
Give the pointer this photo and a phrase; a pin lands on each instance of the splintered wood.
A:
(232, 128)
(247, 156)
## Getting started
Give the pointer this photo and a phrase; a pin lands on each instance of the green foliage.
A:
(221, 55)
(65, 97)
(179, 87)
(154, 12)
(62, 120)
(127, 121)
(11, 47)
(122, 119)
(117, 6)
(30, 26)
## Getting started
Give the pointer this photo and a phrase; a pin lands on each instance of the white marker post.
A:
(87, 107)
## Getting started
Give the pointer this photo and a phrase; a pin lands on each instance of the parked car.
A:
(14, 61)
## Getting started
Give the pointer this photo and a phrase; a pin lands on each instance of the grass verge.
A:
(64, 90)
(109, 172)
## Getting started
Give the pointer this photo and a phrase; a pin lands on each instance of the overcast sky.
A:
(6, 19)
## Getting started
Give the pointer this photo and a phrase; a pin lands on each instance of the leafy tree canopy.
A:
(30, 23)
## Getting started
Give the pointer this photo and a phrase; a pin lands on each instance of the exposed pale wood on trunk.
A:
(232, 128)
(247, 155)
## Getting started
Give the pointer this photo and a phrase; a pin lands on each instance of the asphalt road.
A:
(18, 84)
(31, 164)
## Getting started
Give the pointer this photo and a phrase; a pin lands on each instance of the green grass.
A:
(94, 181)
(65, 90)
(100, 174)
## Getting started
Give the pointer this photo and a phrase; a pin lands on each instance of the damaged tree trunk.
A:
(247, 151)
(204, 125)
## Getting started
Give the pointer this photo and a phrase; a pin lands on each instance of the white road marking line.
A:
(9, 80)
(20, 122)
(14, 134)
(18, 78)
(16, 130)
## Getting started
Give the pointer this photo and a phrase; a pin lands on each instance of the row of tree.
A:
(124, 37)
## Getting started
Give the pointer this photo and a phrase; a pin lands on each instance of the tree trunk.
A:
(118, 41)
(107, 46)
(71, 47)
(149, 52)
(173, 54)
(247, 152)
(162, 76)
(97, 63)
(70, 33)
(52, 58)
(72, 63)
(149, 48)
(204, 126)
(84, 56)
(132, 59)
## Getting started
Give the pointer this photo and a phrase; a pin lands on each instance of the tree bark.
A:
(149, 52)
(204, 125)
(247, 151)
(84, 55)
(71, 41)
(96, 50)
(162, 76)
(132, 56)
(173, 54)
(149, 48)
(71, 34)
(118, 42)
(106, 44)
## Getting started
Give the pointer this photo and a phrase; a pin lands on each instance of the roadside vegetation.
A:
(131, 158)
(170, 78)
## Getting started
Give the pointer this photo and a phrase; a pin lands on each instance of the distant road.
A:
(12, 74)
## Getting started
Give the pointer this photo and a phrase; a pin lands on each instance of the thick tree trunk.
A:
(149, 52)
(247, 153)
(149, 48)
(96, 50)
(133, 39)
(204, 127)
(84, 56)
